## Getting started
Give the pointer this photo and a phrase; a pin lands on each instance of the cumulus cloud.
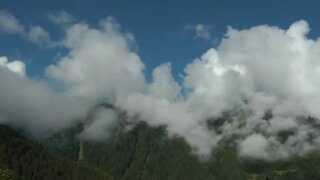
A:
(163, 85)
(264, 78)
(262, 70)
(11, 25)
(100, 64)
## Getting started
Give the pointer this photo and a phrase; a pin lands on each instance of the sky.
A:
(177, 64)
(164, 30)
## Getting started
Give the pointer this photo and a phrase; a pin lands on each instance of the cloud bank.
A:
(264, 78)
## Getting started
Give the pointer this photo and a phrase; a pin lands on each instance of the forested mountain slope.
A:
(22, 159)
(148, 153)
(142, 153)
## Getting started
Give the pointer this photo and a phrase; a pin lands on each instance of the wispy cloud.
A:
(61, 18)
(38, 35)
(11, 25)
(199, 31)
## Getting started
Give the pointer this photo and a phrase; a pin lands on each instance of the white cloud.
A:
(104, 120)
(33, 106)
(254, 146)
(14, 66)
(261, 69)
(164, 85)
(100, 63)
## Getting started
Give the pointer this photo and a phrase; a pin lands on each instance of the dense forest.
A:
(142, 153)
(148, 153)
(22, 159)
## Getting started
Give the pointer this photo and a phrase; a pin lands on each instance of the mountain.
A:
(21, 159)
(141, 153)
(148, 153)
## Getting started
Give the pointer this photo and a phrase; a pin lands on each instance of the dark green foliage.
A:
(298, 168)
(81, 156)
(225, 164)
(142, 153)
(148, 153)
(28, 160)
(6, 173)
(65, 143)
(145, 153)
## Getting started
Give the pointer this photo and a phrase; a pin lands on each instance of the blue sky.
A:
(159, 27)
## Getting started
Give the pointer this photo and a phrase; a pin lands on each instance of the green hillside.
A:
(142, 153)
(147, 153)
(23, 159)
